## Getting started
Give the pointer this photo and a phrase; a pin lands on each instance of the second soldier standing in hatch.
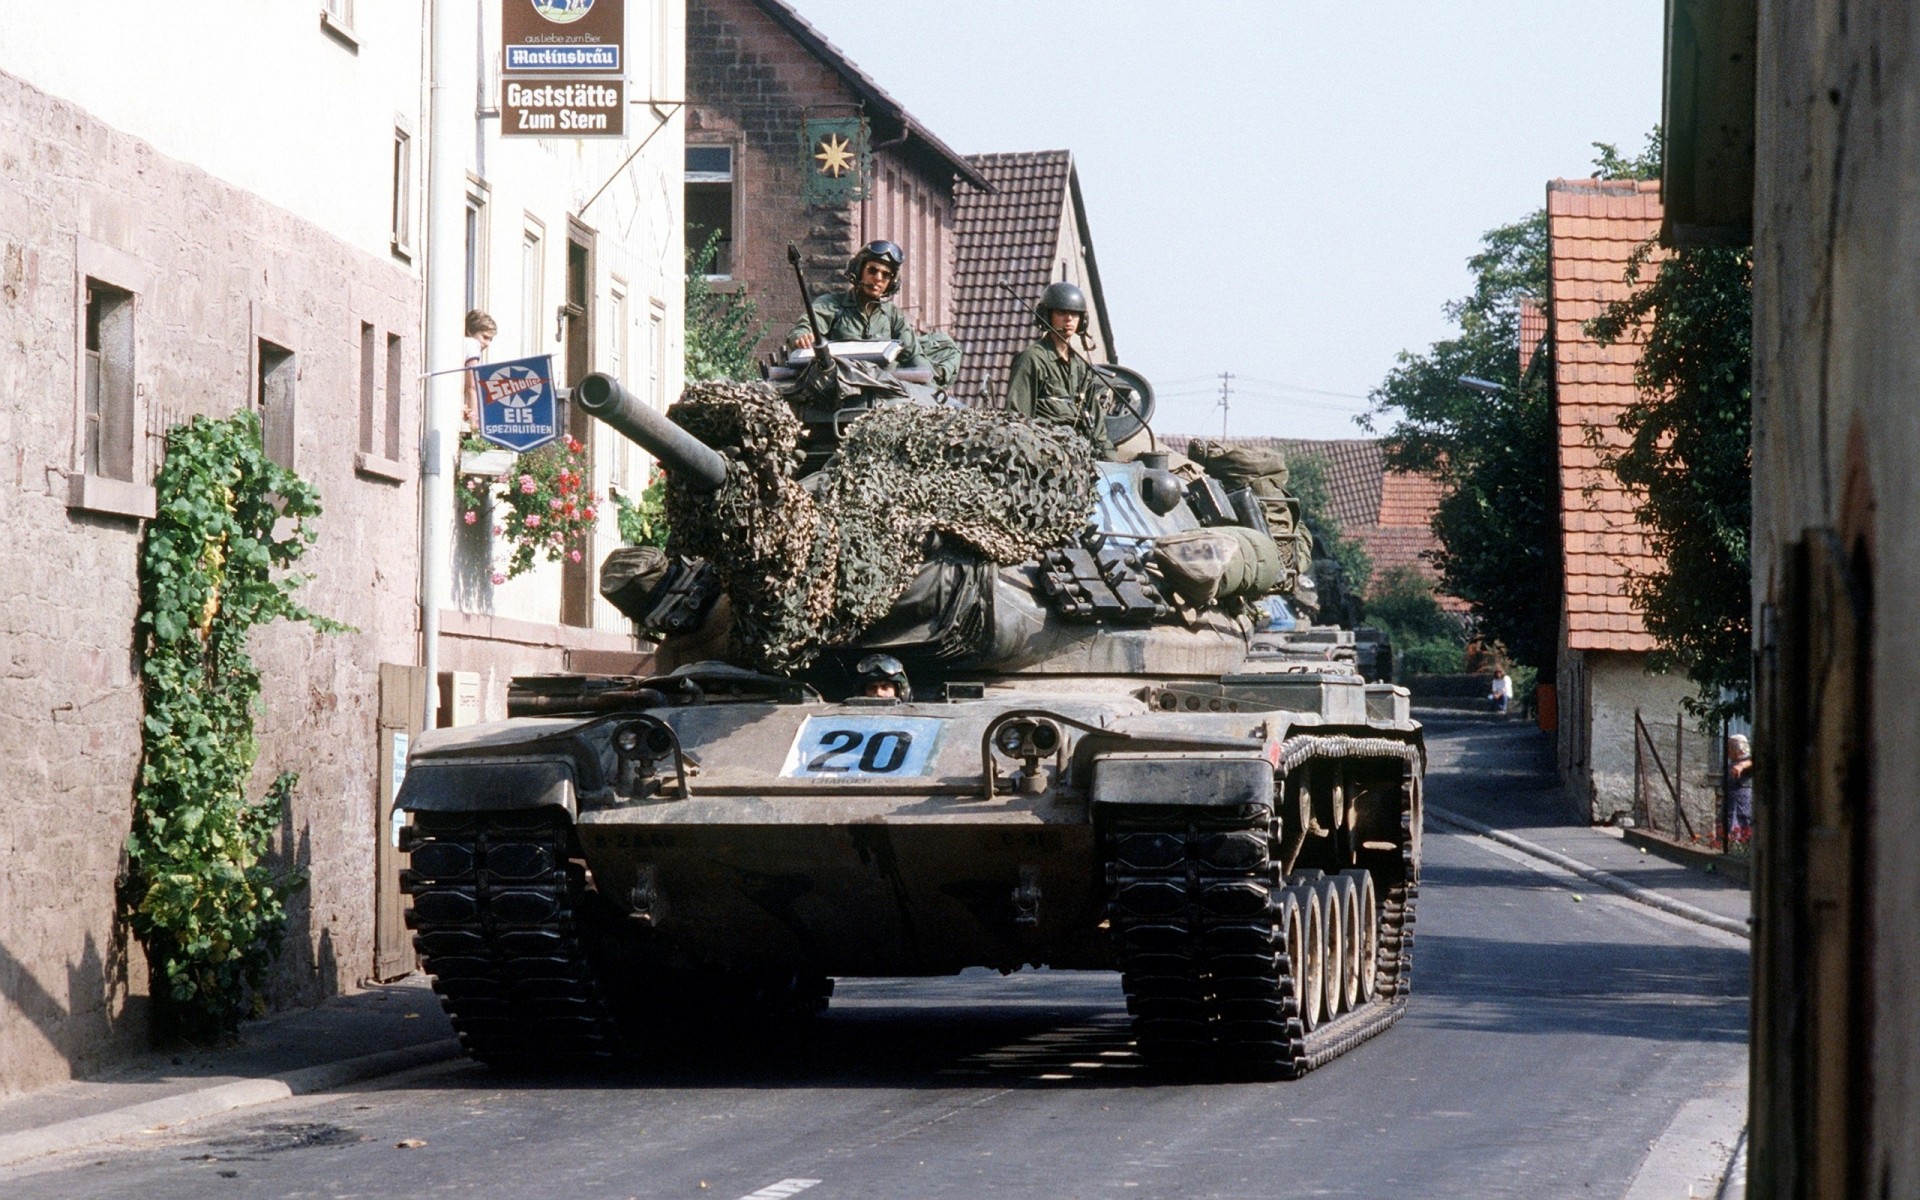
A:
(864, 312)
(1051, 383)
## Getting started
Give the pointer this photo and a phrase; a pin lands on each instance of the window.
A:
(710, 208)
(396, 393)
(657, 357)
(273, 398)
(369, 399)
(476, 246)
(402, 191)
(109, 382)
(532, 265)
(336, 18)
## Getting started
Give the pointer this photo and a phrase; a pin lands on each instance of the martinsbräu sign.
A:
(518, 407)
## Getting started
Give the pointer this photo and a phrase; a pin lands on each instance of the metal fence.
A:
(1669, 802)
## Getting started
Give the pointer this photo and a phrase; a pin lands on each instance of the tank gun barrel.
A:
(690, 460)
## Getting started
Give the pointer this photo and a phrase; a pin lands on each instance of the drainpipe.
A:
(445, 285)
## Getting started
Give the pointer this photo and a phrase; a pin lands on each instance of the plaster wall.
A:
(532, 196)
(213, 268)
(260, 96)
(1837, 439)
(1600, 693)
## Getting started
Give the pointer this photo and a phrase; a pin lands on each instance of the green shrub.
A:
(200, 892)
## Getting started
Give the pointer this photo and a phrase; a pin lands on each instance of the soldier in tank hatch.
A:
(865, 311)
(1051, 383)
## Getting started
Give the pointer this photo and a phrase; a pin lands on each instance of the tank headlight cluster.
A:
(647, 739)
(1027, 739)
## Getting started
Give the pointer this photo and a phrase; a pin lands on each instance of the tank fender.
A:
(1201, 779)
(478, 785)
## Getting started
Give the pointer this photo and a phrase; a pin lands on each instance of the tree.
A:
(1495, 455)
(1688, 457)
(1426, 641)
(722, 329)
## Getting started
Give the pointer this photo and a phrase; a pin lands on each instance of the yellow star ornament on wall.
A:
(835, 155)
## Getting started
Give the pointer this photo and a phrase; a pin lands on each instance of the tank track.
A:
(1195, 912)
(497, 921)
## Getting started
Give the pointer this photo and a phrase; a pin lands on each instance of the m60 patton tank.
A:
(1087, 768)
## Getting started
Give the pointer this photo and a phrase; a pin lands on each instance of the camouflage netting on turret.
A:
(809, 570)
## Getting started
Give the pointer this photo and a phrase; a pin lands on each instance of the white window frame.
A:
(405, 200)
(533, 285)
(87, 490)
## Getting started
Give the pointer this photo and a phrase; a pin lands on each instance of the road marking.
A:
(781, 1190)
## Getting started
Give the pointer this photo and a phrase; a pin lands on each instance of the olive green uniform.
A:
(845, 319)
(1062, 391)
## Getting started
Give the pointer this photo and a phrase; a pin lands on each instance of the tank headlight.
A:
(1012, 737)
(626, 741)
(1045, 738)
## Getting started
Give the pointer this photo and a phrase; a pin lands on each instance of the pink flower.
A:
(498, 579)
(575, 556)
(472, 516)
(498, 530)
(527, 486)
(533, 521)
(554, 504)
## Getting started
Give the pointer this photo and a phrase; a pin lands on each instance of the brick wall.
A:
(219, 266)
(751, 85)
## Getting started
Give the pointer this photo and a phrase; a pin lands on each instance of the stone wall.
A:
(1599, 693)
(218, 268)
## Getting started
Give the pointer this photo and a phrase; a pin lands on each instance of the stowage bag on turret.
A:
(811, 567)
(1205, 566)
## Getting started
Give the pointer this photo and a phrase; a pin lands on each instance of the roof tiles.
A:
(1010, 233)
(1593, 228)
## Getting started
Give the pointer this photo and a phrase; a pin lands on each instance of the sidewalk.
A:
(1498, 772)
(349, 1038)
(1487, 774)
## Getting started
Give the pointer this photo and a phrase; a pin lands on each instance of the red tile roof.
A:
(1012, 233)
(1533, 329)
(1593, 226)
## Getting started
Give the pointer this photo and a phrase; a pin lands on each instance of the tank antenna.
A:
(820, 349)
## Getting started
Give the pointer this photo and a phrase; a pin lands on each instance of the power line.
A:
(1226, 395)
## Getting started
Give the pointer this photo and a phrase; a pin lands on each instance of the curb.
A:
(1605, 879)
(217, 1098)
(1689, 856)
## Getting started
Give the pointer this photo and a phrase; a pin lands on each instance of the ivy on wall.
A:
(199, 890)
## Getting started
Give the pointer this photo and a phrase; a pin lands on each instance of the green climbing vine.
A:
(200, 891)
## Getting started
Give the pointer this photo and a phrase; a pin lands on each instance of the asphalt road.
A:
(1550, 1042)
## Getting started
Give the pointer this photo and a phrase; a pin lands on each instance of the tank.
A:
(1089, 766)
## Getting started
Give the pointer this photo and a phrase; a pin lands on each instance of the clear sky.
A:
(1287, 191)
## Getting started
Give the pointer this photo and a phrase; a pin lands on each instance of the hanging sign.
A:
(563, 68)
(518, 406)
(839, 161)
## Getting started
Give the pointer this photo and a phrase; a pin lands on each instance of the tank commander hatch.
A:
(865, 311)
(1051, 383)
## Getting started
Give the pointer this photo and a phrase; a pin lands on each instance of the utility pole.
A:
(1226, 395)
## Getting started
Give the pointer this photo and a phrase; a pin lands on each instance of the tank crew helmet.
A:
(881, 669)
(1063, 297)
(883, 252)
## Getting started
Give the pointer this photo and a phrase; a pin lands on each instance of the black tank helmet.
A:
(881, 251)
(1063, 297)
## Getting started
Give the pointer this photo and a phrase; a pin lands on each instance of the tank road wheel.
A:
(1333, 917)
(1312, 971)
(496, 921)
(1367, 947)
(1353, 940)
